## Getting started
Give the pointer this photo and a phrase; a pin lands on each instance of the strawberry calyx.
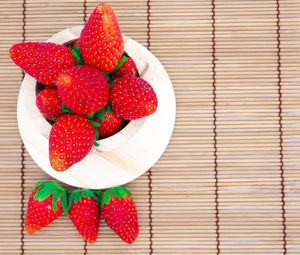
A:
(75, 196)
(65, 109)
(123, 59)
(46, 188)
(118, 192)
(108, 79)
(76, 55)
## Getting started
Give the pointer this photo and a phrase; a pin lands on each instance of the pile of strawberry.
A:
(91, 87)
(49, 200)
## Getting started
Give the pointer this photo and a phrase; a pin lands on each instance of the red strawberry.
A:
(75, 43)
(101, 44)
(133, 98)
(127, 67)
(119, 212)
(42, 60)
(71, 138)
(84, 212)
(47, 202)
(83, 89)
(109, 123)
(49, 103)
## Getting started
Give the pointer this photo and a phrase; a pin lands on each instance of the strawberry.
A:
(75, 43)
(133, 98)
(119, 212)
(83, 89)
(84, 212)
(42, 60)
(47, 202)
(71, 138)
(49, 103)
(125, 67)
(100, 43)
(109, 123)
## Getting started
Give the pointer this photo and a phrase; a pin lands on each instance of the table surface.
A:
(229, 181)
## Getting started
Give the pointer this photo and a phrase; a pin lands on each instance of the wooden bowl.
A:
(120, 158)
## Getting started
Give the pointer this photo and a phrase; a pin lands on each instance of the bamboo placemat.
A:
(229, 181)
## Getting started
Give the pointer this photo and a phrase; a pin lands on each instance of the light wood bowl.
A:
(120, 158)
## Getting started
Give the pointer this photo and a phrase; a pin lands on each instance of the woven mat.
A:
(229, 181)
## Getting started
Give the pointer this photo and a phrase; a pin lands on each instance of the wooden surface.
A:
(228, 182)
(121, 158)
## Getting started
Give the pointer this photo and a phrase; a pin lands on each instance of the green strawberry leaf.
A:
(77, 56)
(71, 199)
(38, 183)
(108, 79)
(123, 59)
(43, 192)
(105, 198)
(55, 197)
(95, 124)
(133, 72)
(89, 193)
(118, 192)
(65, 109)
(100, 114)
(54, 119)
(108, 108)
(89, 116)
(64, 201)
(46, 189)
(98, 192)
(77, 196)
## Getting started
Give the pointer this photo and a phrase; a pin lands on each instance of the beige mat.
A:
(229, 181)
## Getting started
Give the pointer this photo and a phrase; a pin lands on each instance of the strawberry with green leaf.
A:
(109, 122)
(46, 203)
(84, 212)
(125, 67)
(101, 43)
(119, 212)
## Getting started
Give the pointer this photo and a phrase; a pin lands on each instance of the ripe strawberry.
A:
(42, 60)
(119, 212)
(84, 212)
(75, 43)
(47, 202)
(101, 43)
(49, 103)
(71, 138)
(83, 89)
(109, 125)
(133, 98)
(127, 67)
